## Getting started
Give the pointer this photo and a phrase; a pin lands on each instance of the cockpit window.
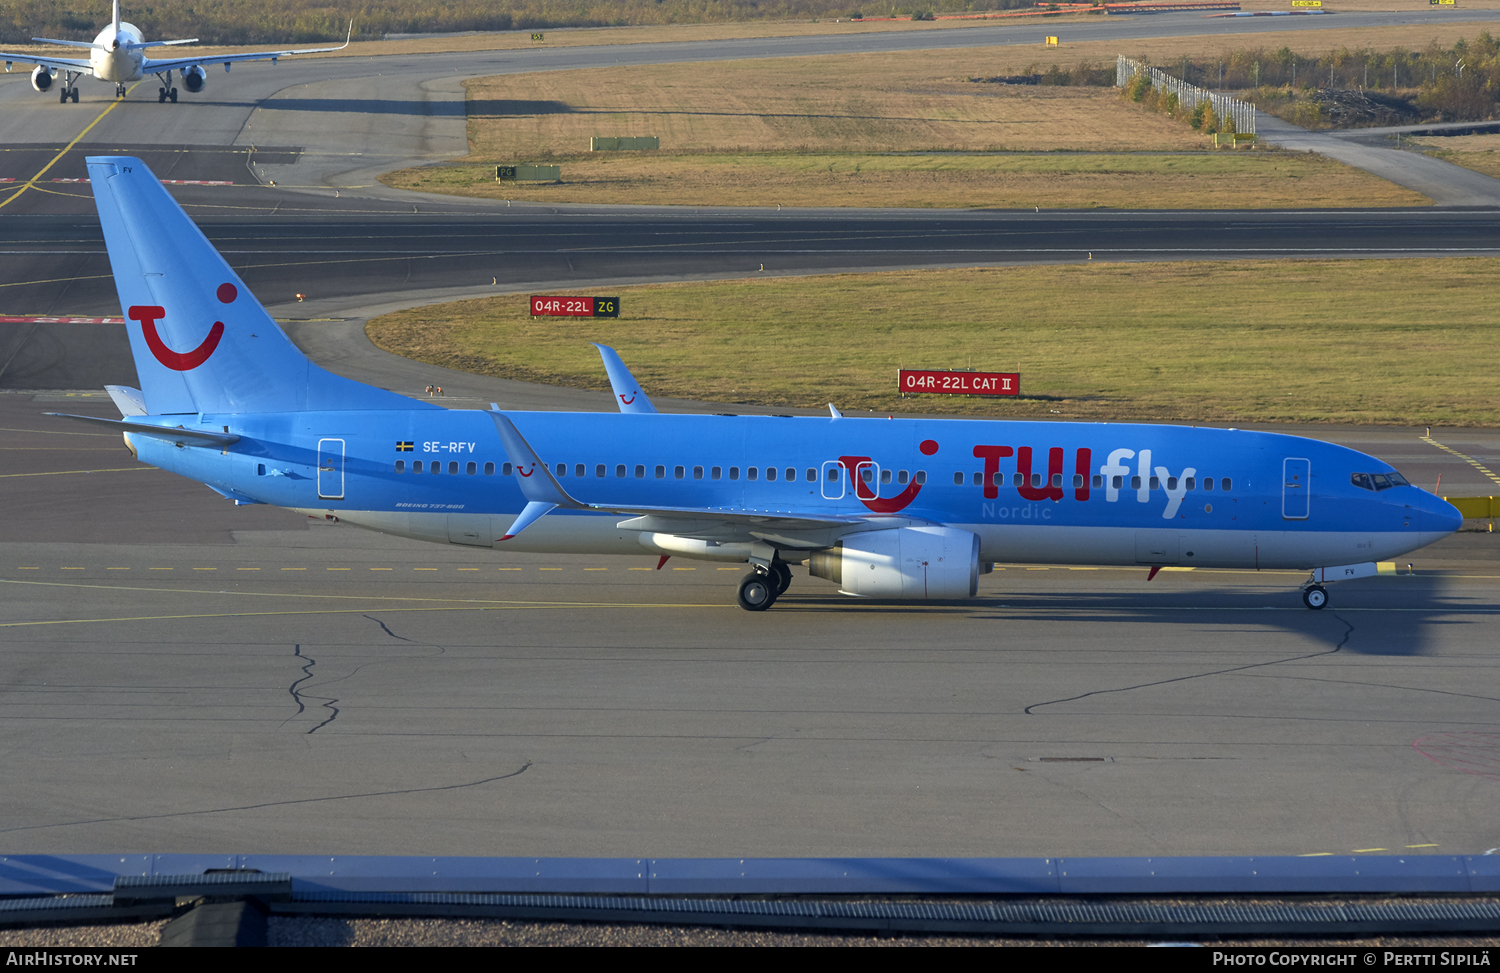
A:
(1378, 481)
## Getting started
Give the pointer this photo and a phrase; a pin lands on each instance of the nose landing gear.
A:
(1314, 596)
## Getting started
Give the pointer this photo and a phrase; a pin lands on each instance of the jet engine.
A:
(41, 78)
(902, 562)
(194, 78)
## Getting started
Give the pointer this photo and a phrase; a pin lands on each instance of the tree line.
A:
(309, 21)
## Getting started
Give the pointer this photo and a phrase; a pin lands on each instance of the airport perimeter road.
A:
(180, 674)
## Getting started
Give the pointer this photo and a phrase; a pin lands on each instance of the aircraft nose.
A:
(1440, 515)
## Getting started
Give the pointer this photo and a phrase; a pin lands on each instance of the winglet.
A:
(834, 412)
(537, 483)
(533, 512)
(627, 390)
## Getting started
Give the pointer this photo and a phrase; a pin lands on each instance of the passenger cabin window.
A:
(1155, 483)
(921, 476)
(833, 474)
(661, 472)
(599, 470)
(1208, 483)
(504, 470)
(791, 474)
(453, 467)
(472, 468)
(958, 479)
(580, 470)
(812, 475)
(1057, 479)
(416, 466)
(697, 472)
(1078, 481)
(489, 469)
(1135, 483)
(1225, 485)
(770, 473)
(716, 473)
(401, 468)
(902, 476)
(678, 472)
(640, 471)
(562, 469)
(1098, 482)
(1191, 483)
(751, 473)
(734, 472)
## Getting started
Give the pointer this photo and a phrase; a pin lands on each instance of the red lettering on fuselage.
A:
(868, 495)
(991, 456)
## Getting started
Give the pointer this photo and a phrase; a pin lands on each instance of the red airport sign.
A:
(575, 307)
(912, 381)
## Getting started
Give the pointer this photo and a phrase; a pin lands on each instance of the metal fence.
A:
(1189, 96)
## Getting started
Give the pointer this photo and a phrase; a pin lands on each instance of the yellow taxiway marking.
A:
(549, 569)
(205, 569)
(596, 569)
(721, 569)
(294, 569)
(643, 569)
(1467, 459)
(158, 569)
(424, 569)
(66, 149)
(1316, 854)
(507, 569)
(122, 469)
(684, 569)
(458, 569)
(382, 569)
(247, 569)
(117, 569)
(28, 569)
(75, 569)
(1433, 845)
(1365, 851)
(338, 569)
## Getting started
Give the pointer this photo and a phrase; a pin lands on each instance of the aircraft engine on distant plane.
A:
(902, 562)
(194, 78)
(41, 78)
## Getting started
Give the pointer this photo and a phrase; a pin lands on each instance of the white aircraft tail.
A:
(202, 343)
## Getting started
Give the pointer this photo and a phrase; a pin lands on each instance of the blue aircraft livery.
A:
(898, 508)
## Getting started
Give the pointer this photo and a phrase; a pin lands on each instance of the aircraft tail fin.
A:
(628, 394)
(201, 341)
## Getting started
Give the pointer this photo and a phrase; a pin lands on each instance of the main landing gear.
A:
(166, 92)
(69, 91)
(760, 588)
(1314, 596)
(120, 90)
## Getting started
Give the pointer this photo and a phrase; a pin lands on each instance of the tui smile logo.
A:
(180, 361)
(868, 495)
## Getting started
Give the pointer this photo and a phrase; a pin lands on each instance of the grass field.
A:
(1478, 152)
(1407, 342)
(857, 131)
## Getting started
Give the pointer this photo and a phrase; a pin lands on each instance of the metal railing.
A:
(1189, 96)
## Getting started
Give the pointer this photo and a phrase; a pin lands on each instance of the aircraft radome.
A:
(883, 508)
(116, 54)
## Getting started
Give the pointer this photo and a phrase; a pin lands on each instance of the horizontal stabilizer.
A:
(172, 434)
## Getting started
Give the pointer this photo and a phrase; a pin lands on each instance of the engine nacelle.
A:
(41, 78)
(902, 562)
(194, 78)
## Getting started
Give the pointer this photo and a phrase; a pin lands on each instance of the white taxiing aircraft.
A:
(117, 54)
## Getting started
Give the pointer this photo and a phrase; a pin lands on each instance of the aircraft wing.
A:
(176, 63)
(64, 63)
(544, 494)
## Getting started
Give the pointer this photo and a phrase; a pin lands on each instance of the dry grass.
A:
(1478, 152)
(1329, 341)
(854, 131)
(1007, 181)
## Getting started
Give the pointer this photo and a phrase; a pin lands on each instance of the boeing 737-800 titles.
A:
(116, 54)
(898, 508)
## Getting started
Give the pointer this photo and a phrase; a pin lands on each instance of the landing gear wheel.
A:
(62, 98)
(757, 592)
(172, 95)
(1315, 596)
(74, 92)
(161, 95)
(782, 575)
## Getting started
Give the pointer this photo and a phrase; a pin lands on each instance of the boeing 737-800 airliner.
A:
(898, 508)
(116, 55)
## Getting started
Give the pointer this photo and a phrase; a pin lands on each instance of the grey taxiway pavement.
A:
(180, 674)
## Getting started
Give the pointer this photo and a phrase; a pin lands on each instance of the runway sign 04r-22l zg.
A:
(575, 307)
